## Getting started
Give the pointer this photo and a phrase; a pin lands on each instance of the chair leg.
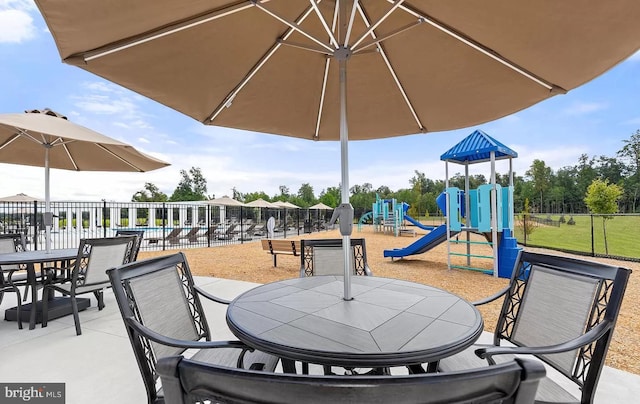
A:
(100, 298)
(18, 307)
(45, 306)
(76, 317)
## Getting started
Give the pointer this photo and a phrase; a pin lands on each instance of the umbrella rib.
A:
(377, 40)
(119, 158)
(325, 78)
(332, 38)
(392, 71)
(294, 26)
(316, 135)
(10, 140)
(482, 49)
(263, 60)
(159, 33)
(380, 21)
(352, 18)
(71, 159)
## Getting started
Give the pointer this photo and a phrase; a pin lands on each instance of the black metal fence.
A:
(611, 236)
(166, 225)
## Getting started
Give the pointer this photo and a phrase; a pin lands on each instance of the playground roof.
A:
(477, 148)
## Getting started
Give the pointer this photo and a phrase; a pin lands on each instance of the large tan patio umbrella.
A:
(47, 139)
(281, 66)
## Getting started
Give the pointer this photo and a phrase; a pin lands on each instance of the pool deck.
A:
(99, 366)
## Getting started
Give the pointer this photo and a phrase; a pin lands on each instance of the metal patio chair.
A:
(561, 310)
(89, 275)
(161, 309)
(189, 381)
(136, 246)
(11, 276)
(325, 257)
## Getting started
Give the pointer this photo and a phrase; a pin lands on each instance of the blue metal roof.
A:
(476, 148)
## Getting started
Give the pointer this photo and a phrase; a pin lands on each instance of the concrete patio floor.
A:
(99, 366)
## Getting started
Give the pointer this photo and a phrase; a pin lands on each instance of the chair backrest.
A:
(136, 246)
(10, 243)
(186, 381)
(326, 257)
(158, 293)
(96, 255)
(553, 299)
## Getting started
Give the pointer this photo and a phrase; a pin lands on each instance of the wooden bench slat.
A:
(275, 247)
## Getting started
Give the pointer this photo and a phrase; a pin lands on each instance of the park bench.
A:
(275, 247)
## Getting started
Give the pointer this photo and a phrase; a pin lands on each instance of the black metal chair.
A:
(11, 276)
(162, 313)
(189, 381)
(89, 275)
(325, 257)
(136, 246)
(561, 310)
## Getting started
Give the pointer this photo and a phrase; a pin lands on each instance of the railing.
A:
(168, 225)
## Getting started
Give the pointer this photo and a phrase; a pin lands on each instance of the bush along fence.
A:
(169, 225)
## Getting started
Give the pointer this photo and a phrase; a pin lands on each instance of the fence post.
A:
(593, 249)
(164, 224)
(104, 218)
(524, 229)
(36, 226)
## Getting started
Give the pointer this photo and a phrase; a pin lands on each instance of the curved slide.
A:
(417, 223)
(423, 244)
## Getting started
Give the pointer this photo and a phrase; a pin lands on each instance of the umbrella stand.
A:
(345, 210)
(48, 217)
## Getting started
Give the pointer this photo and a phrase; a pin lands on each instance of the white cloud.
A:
(16, 25)
(583, 108)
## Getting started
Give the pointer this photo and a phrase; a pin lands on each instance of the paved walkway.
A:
(99, 366)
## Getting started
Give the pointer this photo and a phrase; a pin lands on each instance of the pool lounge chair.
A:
(192, 235)
(172, 237)
(228, 233)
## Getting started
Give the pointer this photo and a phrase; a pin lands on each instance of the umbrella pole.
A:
(47, 201)
(346, 208)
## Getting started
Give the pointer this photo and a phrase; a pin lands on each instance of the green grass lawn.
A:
(623, 233)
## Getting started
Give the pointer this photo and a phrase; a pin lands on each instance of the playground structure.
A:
(388, 215)
(487, 210)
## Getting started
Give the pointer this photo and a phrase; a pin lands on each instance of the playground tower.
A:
(486, 209)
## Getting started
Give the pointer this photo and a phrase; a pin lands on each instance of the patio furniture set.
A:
(396, 341)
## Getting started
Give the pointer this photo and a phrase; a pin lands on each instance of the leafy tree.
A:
(306, 194)
(150, 193)
(540, 174)
(330, 196)
(602, 199)
(252, 196)
(192, 186)
(630, 154)
(419, 183)
(284, 193)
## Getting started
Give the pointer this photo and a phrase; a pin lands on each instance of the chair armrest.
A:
(592, 335)
(493, 297)
(179, 343)
(210, 296)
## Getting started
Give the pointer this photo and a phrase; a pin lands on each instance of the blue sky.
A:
(592, 119)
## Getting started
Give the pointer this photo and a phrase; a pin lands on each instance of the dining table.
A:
(389, 322)
(28, 260)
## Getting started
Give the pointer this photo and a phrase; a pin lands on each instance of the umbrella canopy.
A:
(261, 203)
(47, 139)
(224, 201)
(284, 204)
(320, 206)
(20, 198)
(281, 66)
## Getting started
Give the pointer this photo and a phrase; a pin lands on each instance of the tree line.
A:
(542, 188)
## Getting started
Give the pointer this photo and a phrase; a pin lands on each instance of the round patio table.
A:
(28, 260)
(389, 322)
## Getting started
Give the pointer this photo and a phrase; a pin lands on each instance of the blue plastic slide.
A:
(417, 223)
(423, 244)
